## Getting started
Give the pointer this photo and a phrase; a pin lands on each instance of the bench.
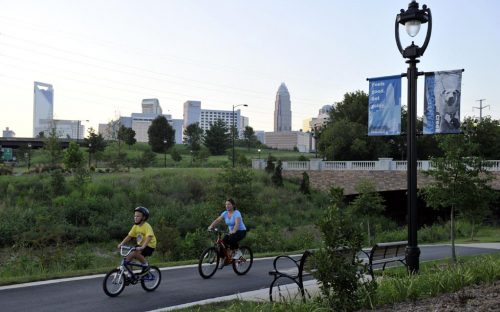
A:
(296, 273)
(384, 253)
(286, 269)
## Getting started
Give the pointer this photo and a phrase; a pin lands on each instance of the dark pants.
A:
(232, 240)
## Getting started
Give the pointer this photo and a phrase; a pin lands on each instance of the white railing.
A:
(381, 164)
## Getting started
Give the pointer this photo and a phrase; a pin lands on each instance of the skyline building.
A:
(282, 110)
(206, 117)
(43, 107)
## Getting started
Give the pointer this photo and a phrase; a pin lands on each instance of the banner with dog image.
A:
(442, 102)
(384, 106)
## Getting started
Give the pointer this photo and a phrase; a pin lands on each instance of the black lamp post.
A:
(259, 150)
(90, 146)
(234, 129)
(165, 151)
(412, 19)
(29, 156)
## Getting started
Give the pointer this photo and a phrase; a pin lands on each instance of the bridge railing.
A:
(381, 164)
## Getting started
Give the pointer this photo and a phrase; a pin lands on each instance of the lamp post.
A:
(234, 129)
(29, 156)
(412, 19)
(165, 151)
(90, 146)
(259, 150)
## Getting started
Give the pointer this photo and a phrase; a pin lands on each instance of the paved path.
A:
(180, 286)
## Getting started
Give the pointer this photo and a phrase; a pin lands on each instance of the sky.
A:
(104, 56)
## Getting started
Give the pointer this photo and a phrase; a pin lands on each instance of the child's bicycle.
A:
(217, 254)
(116, 280)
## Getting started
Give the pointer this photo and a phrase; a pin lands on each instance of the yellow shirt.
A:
(140, 232)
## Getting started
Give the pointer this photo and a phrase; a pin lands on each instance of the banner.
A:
(442, 102)
(384, 106)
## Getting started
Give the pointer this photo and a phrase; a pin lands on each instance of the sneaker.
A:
(237, 254)
(222, 263)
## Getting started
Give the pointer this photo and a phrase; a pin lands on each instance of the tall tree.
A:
(95, 143)
(73, 157)
(52, 146)
(161, 135)
(193, 136)
(367, 207)
(345, 136)
(460, 182)
(249, 136)
(217, 139)
(130, 137)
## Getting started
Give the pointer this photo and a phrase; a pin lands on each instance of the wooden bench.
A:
(295, 274)
(384, 253)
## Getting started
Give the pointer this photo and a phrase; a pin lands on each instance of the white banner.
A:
(442, 102)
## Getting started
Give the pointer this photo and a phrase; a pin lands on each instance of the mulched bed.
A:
(478, 298)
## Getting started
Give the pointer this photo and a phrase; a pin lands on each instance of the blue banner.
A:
(442, 102)
(384, 106)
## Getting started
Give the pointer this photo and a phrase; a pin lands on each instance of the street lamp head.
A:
(412, 19)
(29, 145)
(165, 141)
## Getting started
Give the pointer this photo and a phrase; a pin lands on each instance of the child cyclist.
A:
(144, 235)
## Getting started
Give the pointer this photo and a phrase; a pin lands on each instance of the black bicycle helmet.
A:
(143, 210)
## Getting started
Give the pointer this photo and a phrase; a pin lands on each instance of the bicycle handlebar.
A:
(126, 250)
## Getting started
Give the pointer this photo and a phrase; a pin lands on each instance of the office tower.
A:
(282, 110)
(43, 107)
(151, 106)
(192, 112)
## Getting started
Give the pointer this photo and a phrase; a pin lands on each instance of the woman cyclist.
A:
(237, 229)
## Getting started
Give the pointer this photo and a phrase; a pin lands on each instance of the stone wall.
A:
(384, 180)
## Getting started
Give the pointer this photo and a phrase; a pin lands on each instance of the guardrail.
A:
(381, 164)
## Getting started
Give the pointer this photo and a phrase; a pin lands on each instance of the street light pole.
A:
(29, 156)
(234, 129)
(90, 146)
(165, 151)
(412, 19)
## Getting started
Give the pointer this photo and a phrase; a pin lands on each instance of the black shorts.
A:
(147, 251)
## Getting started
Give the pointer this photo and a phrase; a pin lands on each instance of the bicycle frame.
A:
(128, 266)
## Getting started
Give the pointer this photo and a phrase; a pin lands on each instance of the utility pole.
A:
(481, 108)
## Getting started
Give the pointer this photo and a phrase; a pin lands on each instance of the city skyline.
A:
(104, 57)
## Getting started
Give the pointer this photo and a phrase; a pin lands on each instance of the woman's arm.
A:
(236, 225)
(216, 221)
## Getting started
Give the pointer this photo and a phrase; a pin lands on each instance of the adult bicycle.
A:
(128, 273)
(218, 256)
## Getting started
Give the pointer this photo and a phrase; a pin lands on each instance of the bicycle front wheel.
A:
(242, 265)
(209, 261)
(114, 283)
(151, 281)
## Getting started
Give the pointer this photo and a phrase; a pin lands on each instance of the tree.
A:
(270, 163)
(159, 132)
(305, 184)
(249, 137)
(217, 139)
(460, 182)
(193, 136)
(53, 147)
(130, 137)
(95, 142)
(176, 156)
(73, 157)
(345, 136)
(367, 206)
(335, 261)
(277, 177)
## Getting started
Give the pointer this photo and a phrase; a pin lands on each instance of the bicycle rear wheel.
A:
(114, 283)
(242, 265)
(209, 261)
(151, 281)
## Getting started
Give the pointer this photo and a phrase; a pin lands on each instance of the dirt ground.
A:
(478, 298)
